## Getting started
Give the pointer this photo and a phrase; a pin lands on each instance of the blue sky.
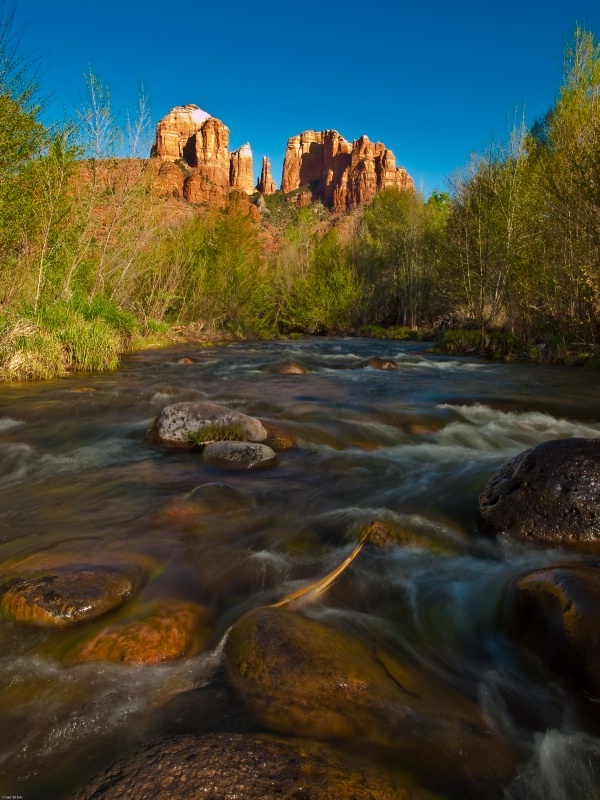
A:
(432, 80)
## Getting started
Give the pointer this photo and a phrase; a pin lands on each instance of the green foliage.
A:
(217, 433)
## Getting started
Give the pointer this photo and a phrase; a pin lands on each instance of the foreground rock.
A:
(158, 631)
(177, 422)
(299, 677)
(223, 766)
(239, 455)
(555, 613)
(58, 590)
(550, 493)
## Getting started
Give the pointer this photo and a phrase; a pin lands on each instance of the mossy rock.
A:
(57, 590)
(247, 767)
(157, 631)
(299, 677)
(180, 424)
(387, 535)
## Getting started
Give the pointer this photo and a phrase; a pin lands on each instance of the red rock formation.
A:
(173, 132)
(341, 175)
(266, 184)
(240, 169)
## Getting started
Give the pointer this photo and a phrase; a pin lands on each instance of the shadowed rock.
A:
(555, 613)
(381, 363)
(223, 766)
(550, 493)
(239, 455)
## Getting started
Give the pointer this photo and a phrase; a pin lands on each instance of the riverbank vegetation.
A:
(94, 259)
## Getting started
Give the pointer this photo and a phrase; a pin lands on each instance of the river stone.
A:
(388, 535)
(555, 613)
(299, 677)
(550, 493)
(277, 437)
(239, 455)
(176, 422)
(58, 590)
(381, 363)
(290, 368)
(223, 766)
(158, 631)
(218, 497)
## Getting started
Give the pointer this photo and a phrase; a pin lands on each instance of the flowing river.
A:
(414, 446)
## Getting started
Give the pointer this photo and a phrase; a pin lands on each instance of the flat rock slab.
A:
(223, 766)
(239, 455)
(57, 591)
(176, 422)
(550, 493)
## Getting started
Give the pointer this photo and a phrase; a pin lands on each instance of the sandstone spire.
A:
(241, 175)
(266, 184)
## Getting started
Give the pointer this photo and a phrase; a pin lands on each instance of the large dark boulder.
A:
(555, 613)
(223, 766)
(550, 493)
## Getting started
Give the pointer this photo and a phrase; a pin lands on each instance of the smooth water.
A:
(414, 445)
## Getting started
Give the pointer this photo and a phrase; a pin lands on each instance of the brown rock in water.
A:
(277, 437)
(555, 613)
(341, 175)
(241, 175)
(550, 493)
(58, 590)
(381, 363)
(303, 678)
(245, 767)
(158, 631)
(289, 368)
(266, 184)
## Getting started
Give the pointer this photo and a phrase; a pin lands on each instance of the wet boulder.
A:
(277, 437)
(157, 631)
(239, 456)
(555, 613)
(57, 590)
(245, 767)
(289, 368)
(178, 423)
(381, 363)
(550, 493)
(300, 677)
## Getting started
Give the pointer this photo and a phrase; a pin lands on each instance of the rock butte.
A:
(339, 173)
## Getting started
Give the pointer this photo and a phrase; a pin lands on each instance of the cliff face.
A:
(341, 174)
(266, 184)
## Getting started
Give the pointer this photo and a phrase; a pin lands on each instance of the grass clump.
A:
(217, 433)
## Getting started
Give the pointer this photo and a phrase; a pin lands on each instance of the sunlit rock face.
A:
(266, 184)
(174, 132)
(341, 174)
(240, 169)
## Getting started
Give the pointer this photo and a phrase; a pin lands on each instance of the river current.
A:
(414, 446)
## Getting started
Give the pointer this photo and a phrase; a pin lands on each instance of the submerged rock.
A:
(218, 497)
(381, 363)
(555, 613)
(290, 368)
(386, 534)
(550, 493)
(158, 631)
(57, 590)
(299, 677)
(244, 767)
(177, 422)
(239, 455)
